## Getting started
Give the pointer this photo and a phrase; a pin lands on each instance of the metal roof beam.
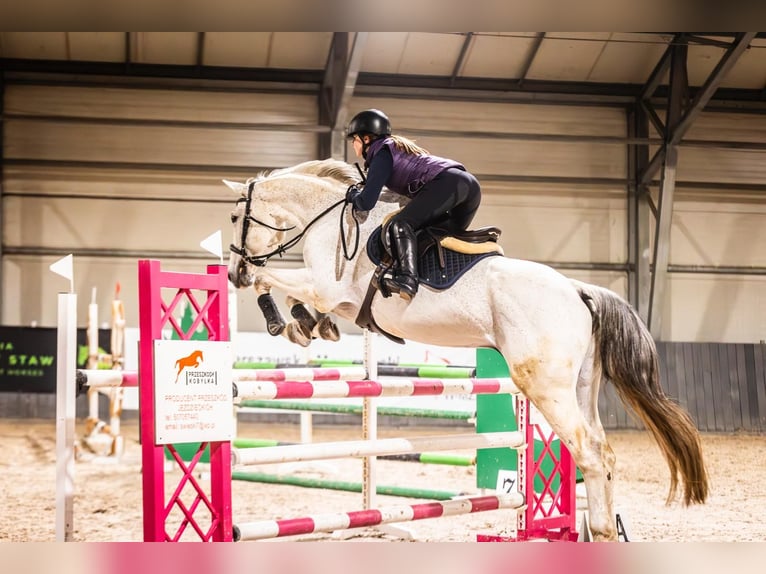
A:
(498, 84)
(57, 72)
(725, 64)
(200, 49)
(659, 71)
(128, 50)
(651, 113)
(707, 41)
(353, 65)
(530, 57)
(338, 85)
(701, 98)
(461, 57)
(728, 34)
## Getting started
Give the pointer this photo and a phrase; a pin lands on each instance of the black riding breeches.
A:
(450, 201)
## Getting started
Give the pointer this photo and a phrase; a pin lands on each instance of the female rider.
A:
(441, 191)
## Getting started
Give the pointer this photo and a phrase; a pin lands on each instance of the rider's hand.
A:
(352, 193)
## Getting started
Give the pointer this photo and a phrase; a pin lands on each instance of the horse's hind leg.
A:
(599, 485)
(556, 392)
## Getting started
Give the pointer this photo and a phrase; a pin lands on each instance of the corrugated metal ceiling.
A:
(581, 57)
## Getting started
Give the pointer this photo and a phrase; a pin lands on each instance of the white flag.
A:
(213, 245)
(64, 268)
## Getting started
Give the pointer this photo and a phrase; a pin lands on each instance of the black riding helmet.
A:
(371, 122)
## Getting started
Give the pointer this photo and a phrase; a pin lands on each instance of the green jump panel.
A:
(496, 413)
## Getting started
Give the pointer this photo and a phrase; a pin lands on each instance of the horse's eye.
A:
(234, 218)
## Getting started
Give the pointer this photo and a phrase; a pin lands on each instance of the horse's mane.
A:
(332, 168)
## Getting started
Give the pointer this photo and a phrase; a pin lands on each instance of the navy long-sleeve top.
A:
(380, 169)
(403, 173)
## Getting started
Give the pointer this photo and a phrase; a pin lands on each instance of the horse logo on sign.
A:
(192, 360)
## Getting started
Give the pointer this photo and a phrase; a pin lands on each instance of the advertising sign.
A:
(28, 357)
(193, 398)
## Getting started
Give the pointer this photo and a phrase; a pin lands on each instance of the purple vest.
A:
(410, 172)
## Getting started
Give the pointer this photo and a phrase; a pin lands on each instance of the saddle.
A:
(443, 257)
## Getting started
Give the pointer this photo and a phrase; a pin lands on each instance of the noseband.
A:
(257, 260)
(260, 260)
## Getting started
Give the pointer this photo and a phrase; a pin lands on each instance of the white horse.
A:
(562, 339)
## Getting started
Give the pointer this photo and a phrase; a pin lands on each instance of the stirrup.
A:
(380, 281)
(405, 286)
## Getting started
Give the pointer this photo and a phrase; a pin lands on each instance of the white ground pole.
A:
(66, 365)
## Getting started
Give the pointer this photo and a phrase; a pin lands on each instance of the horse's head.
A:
(256, 233)
(279, 201)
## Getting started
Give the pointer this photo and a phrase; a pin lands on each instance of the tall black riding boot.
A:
(405, 279)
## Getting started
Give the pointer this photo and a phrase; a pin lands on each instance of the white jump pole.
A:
(92, 331)
(231, 301)
(369, 425)
(66, 364)
(372, 448)
(118, 363)
(382, 517)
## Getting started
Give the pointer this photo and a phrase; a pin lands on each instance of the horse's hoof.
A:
(302, 315)
(295, 333)
(327, 329)
(275, 327)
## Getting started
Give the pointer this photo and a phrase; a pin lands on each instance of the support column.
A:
(661, 251)
(639, 207)
(681, 115)
(679, 87)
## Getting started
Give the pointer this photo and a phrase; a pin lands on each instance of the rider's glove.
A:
(352, 193)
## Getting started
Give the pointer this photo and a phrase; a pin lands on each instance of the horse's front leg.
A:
(324, 328)
(275, 324)
(297, 284)
(295, 331)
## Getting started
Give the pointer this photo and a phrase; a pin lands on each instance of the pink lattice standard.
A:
(190, 511)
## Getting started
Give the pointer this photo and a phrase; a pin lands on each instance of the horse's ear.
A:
(236, 186)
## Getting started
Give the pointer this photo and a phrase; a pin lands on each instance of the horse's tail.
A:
(628, 358)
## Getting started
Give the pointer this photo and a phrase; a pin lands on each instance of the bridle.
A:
(261, 260)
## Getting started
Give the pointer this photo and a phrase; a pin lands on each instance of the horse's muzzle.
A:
(240, 275)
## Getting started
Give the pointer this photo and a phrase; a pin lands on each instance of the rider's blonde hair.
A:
(407, 145)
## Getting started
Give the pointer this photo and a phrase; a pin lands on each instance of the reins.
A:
(261, 260)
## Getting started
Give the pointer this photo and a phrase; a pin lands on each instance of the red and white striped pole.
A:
(373, 517)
